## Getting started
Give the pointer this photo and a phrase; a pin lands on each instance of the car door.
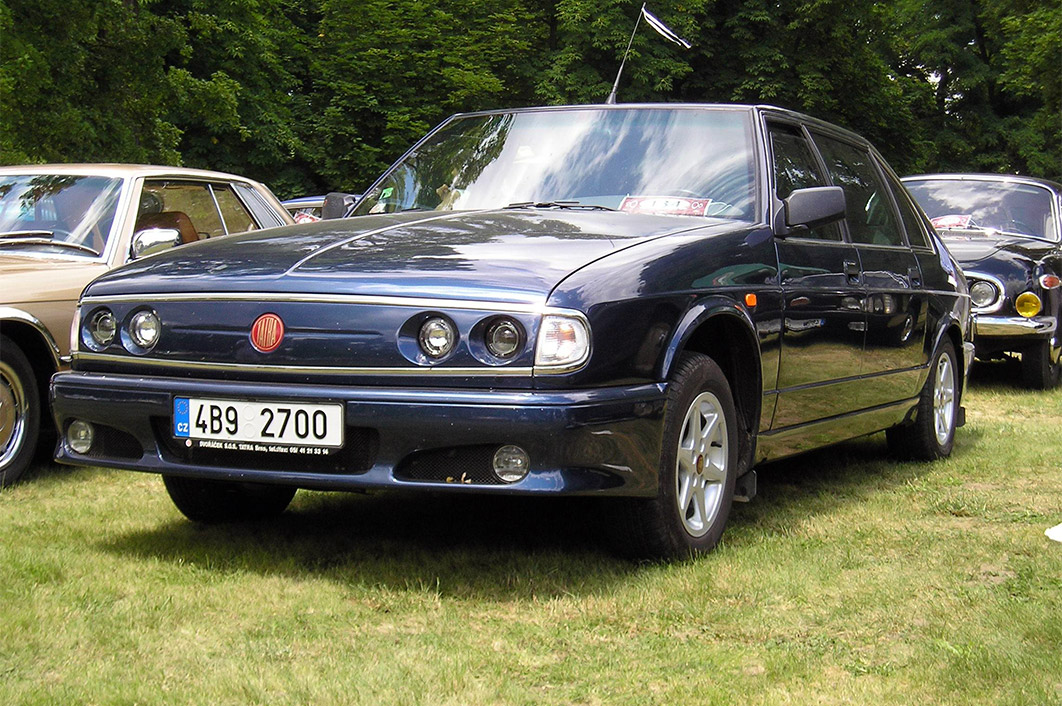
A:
(823, 325)
(895, 301)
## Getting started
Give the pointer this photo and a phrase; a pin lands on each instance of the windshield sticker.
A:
(665, 205)
(952, 221)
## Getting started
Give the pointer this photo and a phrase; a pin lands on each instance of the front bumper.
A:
(1015, 326)
(596, 441)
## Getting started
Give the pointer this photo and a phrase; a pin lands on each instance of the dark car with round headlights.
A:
(1006, 232)
(639, 301)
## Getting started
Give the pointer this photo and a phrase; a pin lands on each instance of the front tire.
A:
(20, 412)
(1041, 368)
(698, 468)
(217, 501)
(932, 434)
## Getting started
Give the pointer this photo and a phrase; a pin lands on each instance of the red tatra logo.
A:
(267, 332)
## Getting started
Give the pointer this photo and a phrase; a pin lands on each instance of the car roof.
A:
(1016, 178)
(123, 171)
(737, 107)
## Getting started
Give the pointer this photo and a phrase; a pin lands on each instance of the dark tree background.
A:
(315, 95)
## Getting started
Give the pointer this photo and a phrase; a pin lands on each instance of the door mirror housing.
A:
(152, 240)
(814, 207)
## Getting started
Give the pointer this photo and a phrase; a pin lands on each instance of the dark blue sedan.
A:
(643, 302)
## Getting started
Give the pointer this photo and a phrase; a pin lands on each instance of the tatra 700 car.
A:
(1006, 232)
(638, 301)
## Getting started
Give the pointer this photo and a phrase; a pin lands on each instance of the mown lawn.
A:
(852, 578)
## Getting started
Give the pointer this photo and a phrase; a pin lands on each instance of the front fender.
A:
(698, 314)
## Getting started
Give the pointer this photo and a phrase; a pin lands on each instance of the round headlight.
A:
(983, 294)
(144, 329)
(503, 338)
(102, 327)
(1028, 304)
(562, 341)
(437, 337)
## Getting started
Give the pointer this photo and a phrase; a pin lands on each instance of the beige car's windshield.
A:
(57, 212)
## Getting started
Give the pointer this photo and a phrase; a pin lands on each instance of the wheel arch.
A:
(723, 330)
(36, 342)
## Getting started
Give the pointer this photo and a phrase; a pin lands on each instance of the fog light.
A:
(144, 329)
(103, 327)
(79, 436)
(437, 337)
(1028, 304)
(511, 463)
(982, 294)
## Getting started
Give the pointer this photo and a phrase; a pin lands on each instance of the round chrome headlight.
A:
(103, 327)
(503, 338)
(983, 294)
(144, 329)
(437, 337)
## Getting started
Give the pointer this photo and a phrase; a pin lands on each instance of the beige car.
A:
(61, 226)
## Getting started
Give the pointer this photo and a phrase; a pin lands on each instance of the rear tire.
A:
(698, 468)
(1041, 368)
(20, 412)
(932, 434)
(217, 501)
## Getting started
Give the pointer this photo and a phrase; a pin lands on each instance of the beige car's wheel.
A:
(20, 412)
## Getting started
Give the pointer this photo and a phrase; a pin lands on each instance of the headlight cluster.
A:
(563, 340)
(140, 333)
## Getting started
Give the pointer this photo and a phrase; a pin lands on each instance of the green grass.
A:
(852, 578)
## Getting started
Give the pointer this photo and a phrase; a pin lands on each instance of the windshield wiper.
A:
(28, 234)
(41, 237)
(559, 204)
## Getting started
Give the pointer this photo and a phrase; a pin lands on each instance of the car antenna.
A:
(664, 32)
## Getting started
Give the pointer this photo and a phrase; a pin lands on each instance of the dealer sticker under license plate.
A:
(241, 425)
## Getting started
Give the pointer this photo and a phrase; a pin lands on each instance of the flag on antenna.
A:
(663, 29)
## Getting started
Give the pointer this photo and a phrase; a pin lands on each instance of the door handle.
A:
(915, 276)
(851, 270)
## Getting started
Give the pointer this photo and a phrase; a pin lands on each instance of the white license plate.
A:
(258, 426)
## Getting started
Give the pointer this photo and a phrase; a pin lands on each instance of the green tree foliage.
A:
(313, 95)
(993, 69)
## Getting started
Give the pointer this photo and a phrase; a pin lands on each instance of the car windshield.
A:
(978, 205)
(57, 212)
(680, 162)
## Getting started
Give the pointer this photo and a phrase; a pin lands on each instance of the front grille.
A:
(358, 454)
(470, 465)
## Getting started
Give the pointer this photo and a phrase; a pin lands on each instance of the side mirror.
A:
(814, 207)
(152, 240)
(336, 204)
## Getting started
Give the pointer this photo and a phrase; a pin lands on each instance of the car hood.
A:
(513, 256)
(36, 279)
(970, 250)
